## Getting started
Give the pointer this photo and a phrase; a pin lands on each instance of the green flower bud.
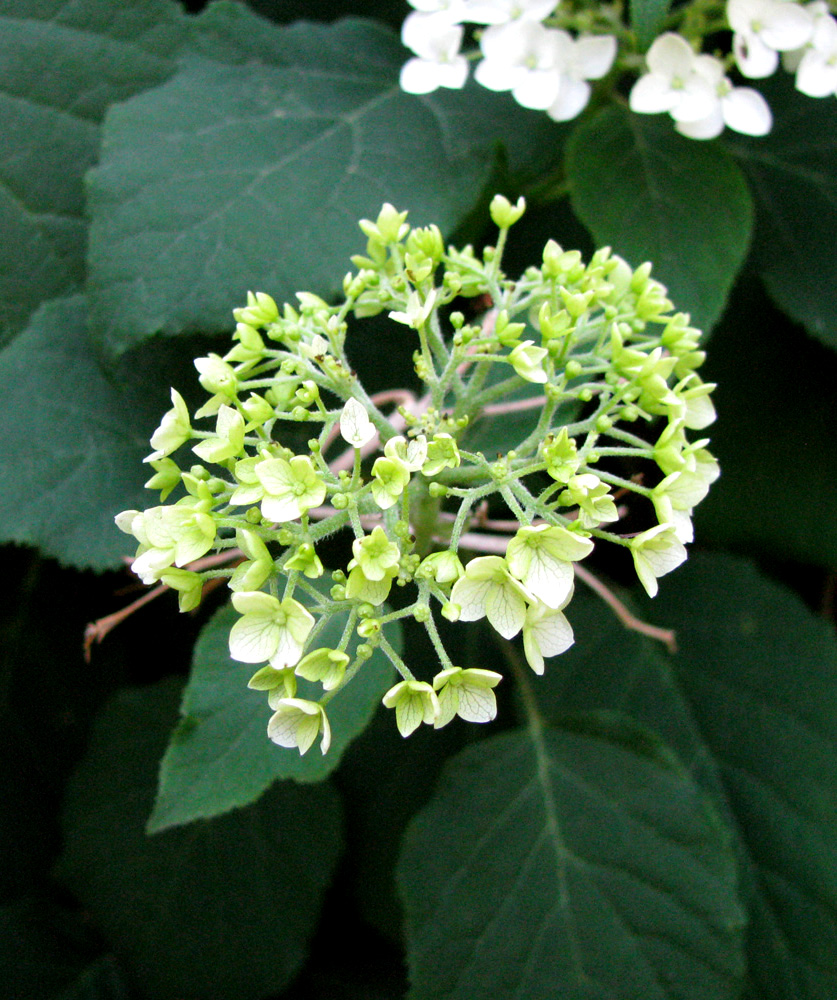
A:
(503, 213)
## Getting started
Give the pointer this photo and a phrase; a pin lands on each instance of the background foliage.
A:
(636, 824)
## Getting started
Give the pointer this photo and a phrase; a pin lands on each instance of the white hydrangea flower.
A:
(672, 82)
(414, 702)
(740, 108)
(525, 58)
(762, 29)
(503, 11)
(583, 59)
(296, 723)
(269, 629)
(542, 557)
(816, 64)
(174, 430)
(546, 632)
(656, 552)
(355, 426)
(466, 693)
(437, 62)
(488, 590)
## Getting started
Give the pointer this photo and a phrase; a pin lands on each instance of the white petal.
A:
(755, 59)
(815, 76)
(698, 99)
(571, 101)
(787, 26)
(746, 111)
(594, 55)
(448, 705)
(652, 94)
(670, 55)
(470, 595)
(355, 426)
(254, 638)
(537, 91)
(553, 633)
(704, 128)
(499, 76)
(280, 509)
(476, 704)
(505, 609)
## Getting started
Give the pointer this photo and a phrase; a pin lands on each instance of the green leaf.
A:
(749, 705)
(561, 864)
(223, 909)
(793, 177)
(60, 66)
(72, 439)
(654, 195)
(254, 175)
(647, 19)
(219, 756)
(760, 674)
(774, 437)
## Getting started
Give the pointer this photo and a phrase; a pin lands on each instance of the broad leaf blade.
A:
(567, 865)
(775, 427)
(220, 758)
(793, 176)
(654, 195)
(244, 889)
(231, 177)
(72, 441)
(760, 673)
(60, 66)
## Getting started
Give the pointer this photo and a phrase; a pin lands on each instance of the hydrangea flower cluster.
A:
(593, 351)
(545, 54)
(544, 67)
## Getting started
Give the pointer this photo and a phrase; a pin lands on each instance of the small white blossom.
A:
(546, 632)
(582, 59)
(542, 557)
(816, 65)
(296, 723)
(672, 82)
(656, 552)
(414, 702)
(762, 29)
(173, 431)
(740, 108)
(466, 693)
(355, 426)
(437, 61)
(488, 590)
(503, 11)
(269, 629)
(525, 58)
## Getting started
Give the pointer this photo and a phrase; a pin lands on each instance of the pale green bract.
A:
(601, 341)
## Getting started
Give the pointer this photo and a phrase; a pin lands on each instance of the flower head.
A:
(546, 632)
(488, 590)
(656, 552)
(270, 629)
(436, 40)
(296, 723)
(174, 430)
(414, 702)
(541, 557)
(466, 693)
(290, 488)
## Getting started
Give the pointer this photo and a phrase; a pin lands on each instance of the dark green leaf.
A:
(774, 437)
(554, 864)
(760, 674)
(654, 195)
(793, 176)
(749, 705)
(72, 440)
(223, 909)
(60, 65)
(231, 177)
(647, 18)
(220, 757)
